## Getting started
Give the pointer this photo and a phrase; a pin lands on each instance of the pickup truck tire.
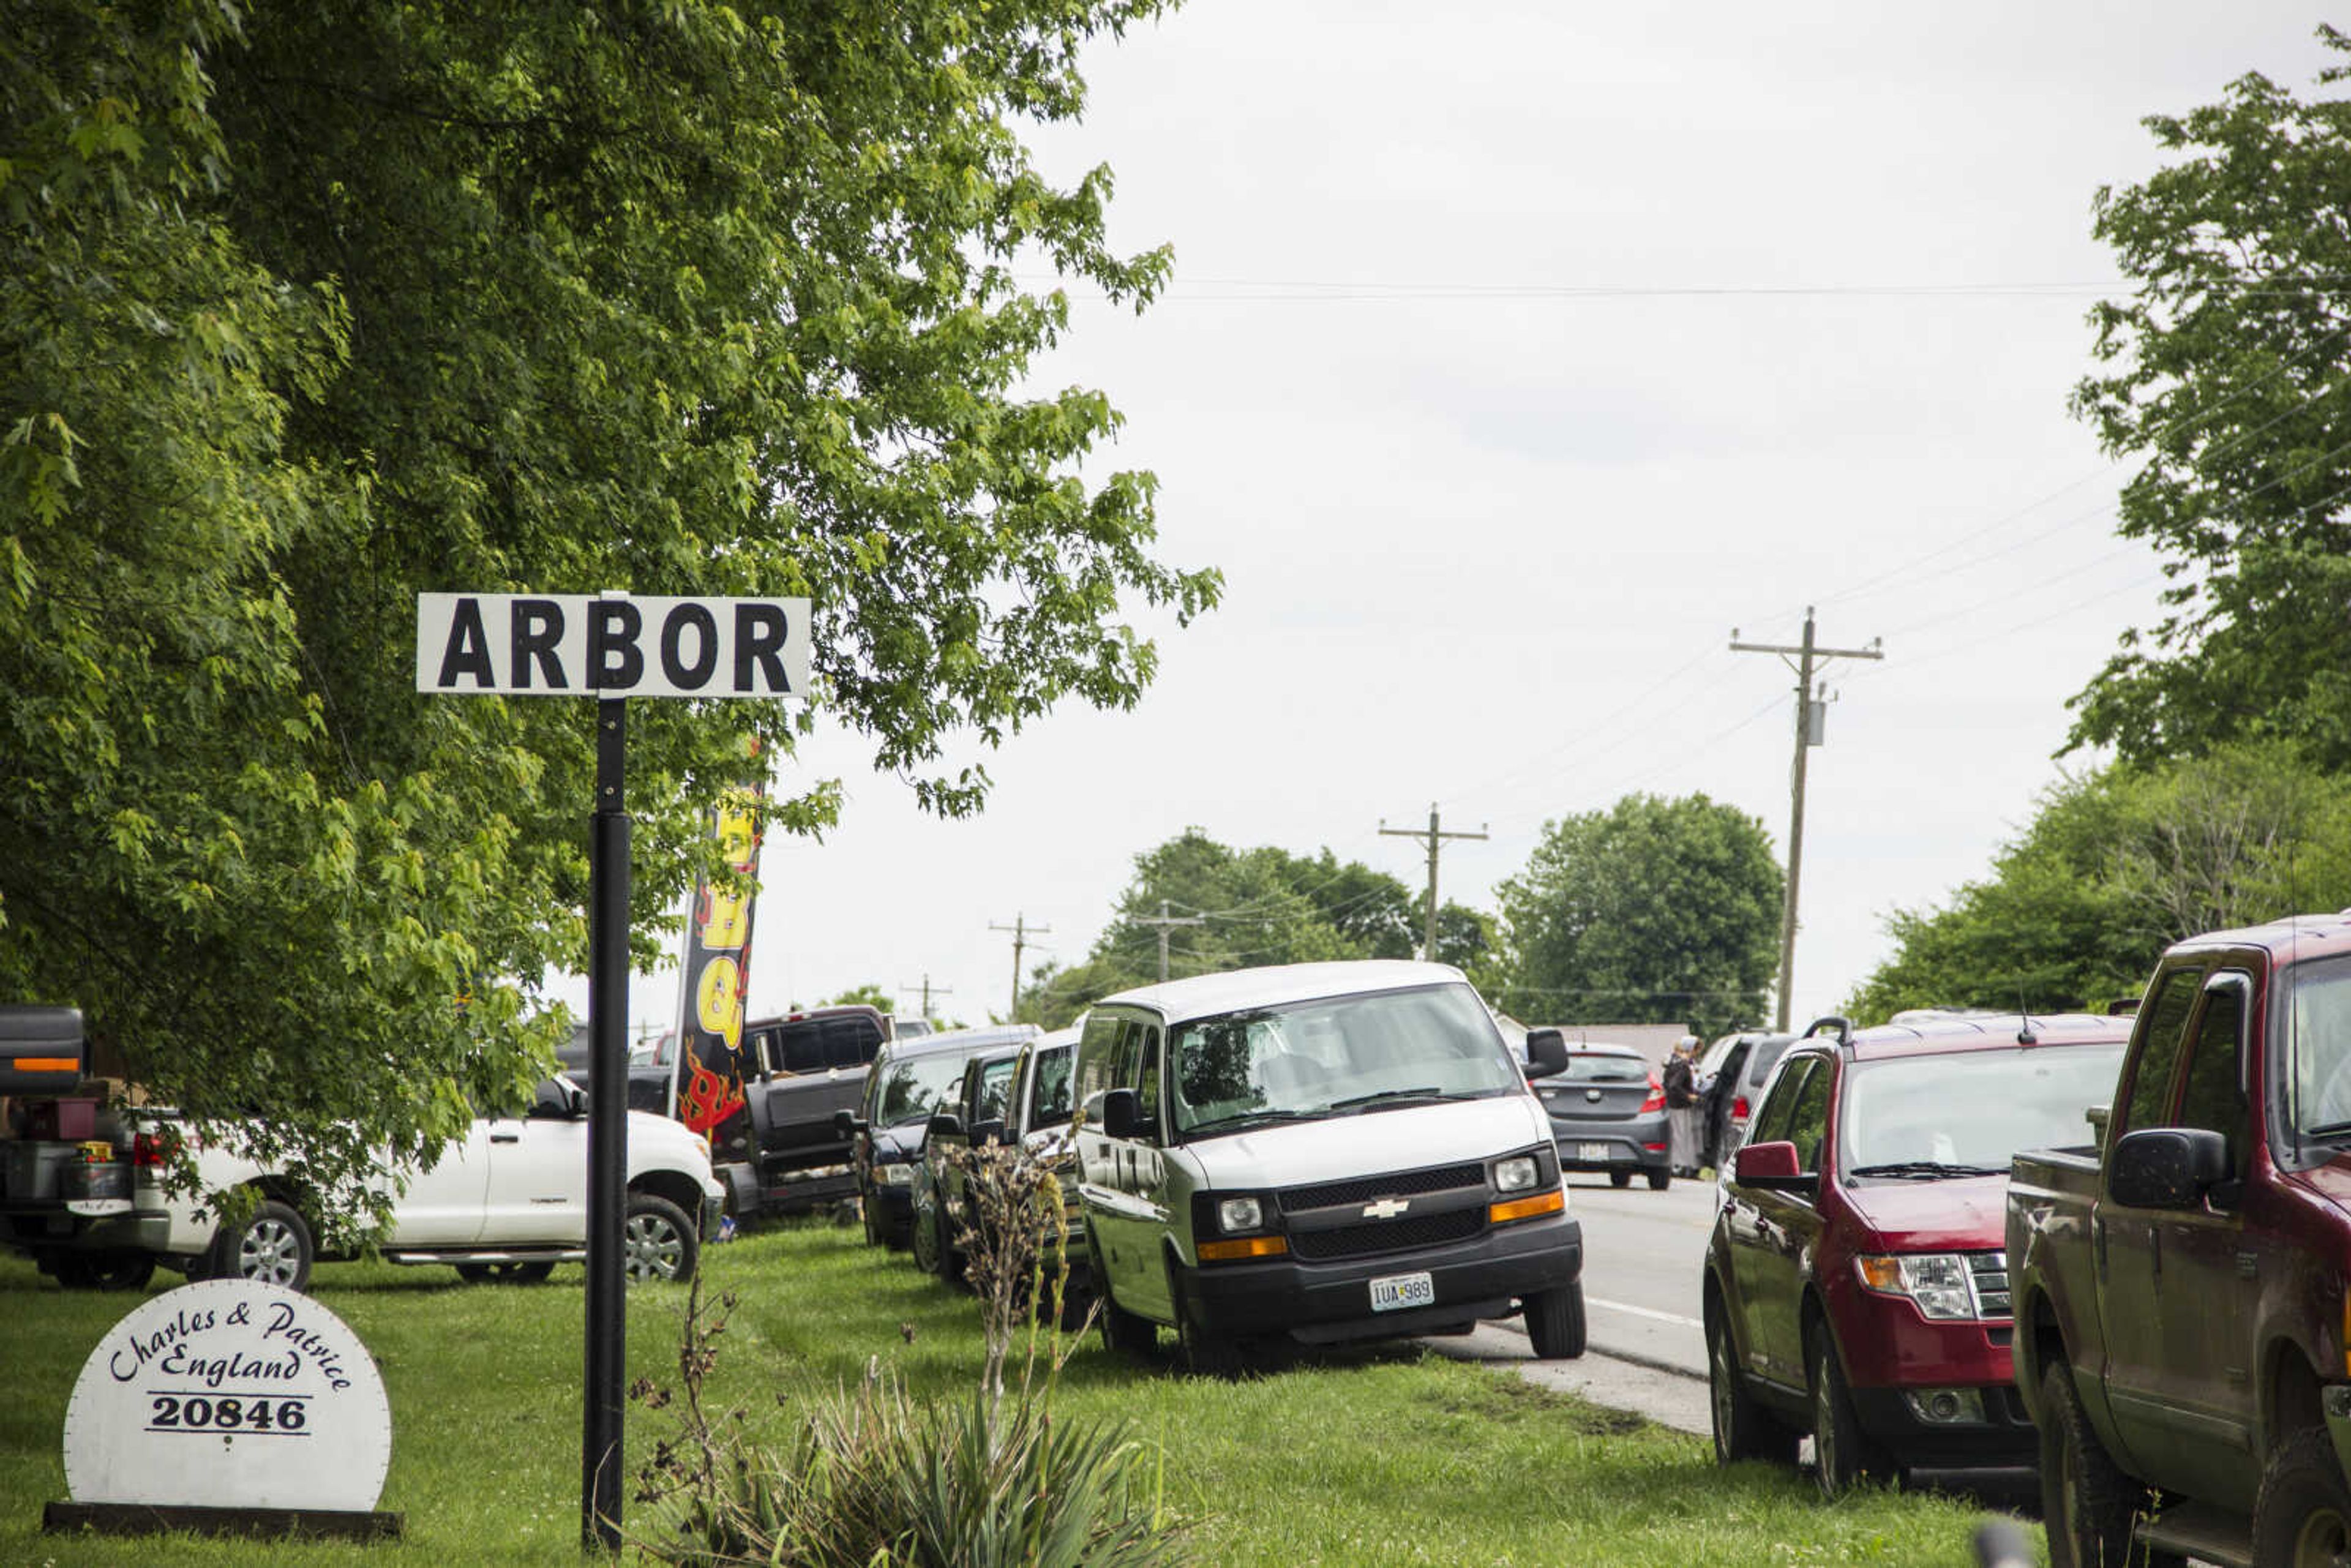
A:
(1744, 1429)
(1844, 1456)
(1555, 1322)
(658, 1240)
(2303, 1513)
(116, 1270)
(2086, 1498)
(273, 1245)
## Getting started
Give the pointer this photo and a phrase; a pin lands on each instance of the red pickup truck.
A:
(1854, 1287)
(2183, 1285)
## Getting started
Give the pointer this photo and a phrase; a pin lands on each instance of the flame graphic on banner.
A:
(716, 976)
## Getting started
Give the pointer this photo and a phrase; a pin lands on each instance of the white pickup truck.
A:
(508, 1201)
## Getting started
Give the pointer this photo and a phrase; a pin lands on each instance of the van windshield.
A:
(910, 1090)
(1336, 1056)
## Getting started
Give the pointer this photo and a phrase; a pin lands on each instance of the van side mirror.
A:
(2167, 1167)
(944, 1124)
(1546, 1052)
(846, 1125)
(988, 1132)
(1121, 1115)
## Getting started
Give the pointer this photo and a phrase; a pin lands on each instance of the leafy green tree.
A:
(2114, 866)
(865, 996)
(304, 318)
(1256, 907)
(1654, 911)
(2226, 379)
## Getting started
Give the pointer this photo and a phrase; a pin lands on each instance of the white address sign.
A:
(569, 644)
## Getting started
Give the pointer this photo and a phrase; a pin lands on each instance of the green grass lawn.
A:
(1370, 1458)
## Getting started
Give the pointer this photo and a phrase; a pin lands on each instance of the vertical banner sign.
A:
(716, 975)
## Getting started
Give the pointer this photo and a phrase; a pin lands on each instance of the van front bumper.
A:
(1325, 1302)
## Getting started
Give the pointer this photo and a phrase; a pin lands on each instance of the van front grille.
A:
(1365, 1189)
(1388, 1235)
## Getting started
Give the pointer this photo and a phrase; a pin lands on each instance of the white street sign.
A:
(577, 645)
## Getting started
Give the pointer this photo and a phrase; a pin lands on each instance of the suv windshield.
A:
(911, 1089)
(1911, 1116)
(1337, 1056)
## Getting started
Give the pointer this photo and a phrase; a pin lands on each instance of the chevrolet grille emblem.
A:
(1386, 1208)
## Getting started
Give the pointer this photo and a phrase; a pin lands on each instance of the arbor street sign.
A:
(577, 645)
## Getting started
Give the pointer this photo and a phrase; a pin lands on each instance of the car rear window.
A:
(1603, 1070)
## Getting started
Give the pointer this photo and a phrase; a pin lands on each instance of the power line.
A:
(1020, 931)
(1435, 838)
(1165, 921)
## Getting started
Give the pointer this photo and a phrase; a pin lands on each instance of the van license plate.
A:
(1400, 1291)
(1593, 1151)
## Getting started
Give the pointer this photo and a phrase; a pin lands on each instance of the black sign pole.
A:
(608, 1128)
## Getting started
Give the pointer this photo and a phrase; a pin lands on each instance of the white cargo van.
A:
(1320, 1153)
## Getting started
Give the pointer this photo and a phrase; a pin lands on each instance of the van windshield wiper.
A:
(1391, 1097)
(1926, 1169)
(1248, 1118)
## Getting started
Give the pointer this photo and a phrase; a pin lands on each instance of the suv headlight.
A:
(1516, 1174)
(897, 1176)
(1235, 1215)
(1938, 1282)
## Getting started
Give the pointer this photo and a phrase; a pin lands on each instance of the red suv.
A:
(1855, 1288)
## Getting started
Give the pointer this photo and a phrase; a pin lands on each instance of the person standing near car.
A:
(1682, 1107)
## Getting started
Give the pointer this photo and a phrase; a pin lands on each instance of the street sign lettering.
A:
(523, 644)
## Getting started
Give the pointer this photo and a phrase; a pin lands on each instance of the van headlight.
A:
(1516, 1174)
(1235, 1215)
(1938, 1282)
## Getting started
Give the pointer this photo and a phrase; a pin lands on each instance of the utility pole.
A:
(1811, 725)
(1434, 837)
(1022, 931)
(927, 988)
(1166, 921)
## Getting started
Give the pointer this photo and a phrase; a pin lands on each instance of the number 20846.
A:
(196, 1413)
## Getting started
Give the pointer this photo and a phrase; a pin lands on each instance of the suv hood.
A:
(1965, 1214)
(1364, 1143)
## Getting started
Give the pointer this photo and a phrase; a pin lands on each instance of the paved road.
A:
(1642, 1253)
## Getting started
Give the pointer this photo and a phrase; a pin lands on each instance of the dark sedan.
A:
(1608, 1113)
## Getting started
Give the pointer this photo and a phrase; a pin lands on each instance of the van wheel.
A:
(951, 1262)
(272, 1246)
(658, 1240)
(1124, 1332)
(1555, 1322)
(1743, 1429)
(1844, 1455)
(1199, 1352)
(922, 1236)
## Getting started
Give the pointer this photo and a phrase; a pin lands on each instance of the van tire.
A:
(951, 1262)
(1124, 1332)
(1199, 1352)
(1554, 1320)
(2303, 1508)
(272, 1245)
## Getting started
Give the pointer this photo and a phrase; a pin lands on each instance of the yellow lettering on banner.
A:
(729, 925)
(735, 840)
(718, 1001)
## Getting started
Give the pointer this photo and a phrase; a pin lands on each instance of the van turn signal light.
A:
(1552, 1202)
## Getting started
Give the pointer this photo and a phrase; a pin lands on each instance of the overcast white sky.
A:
(1517, 354)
